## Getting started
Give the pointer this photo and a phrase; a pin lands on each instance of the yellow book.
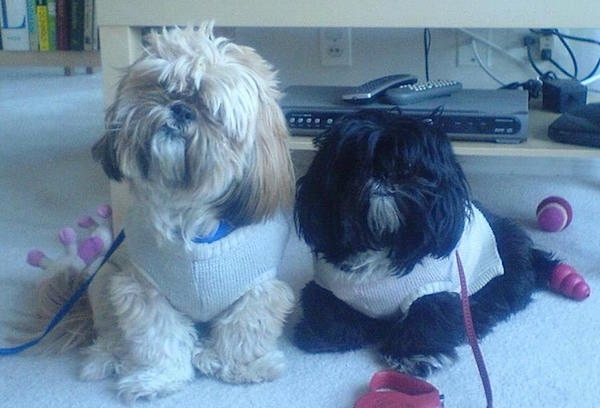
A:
(42, 19)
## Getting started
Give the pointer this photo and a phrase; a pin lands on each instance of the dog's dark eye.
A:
(391, 167)
(395, 174)
(402, 172)
(407, 170)
(182, 113)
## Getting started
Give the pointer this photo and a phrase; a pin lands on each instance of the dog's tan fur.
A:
(223, 155)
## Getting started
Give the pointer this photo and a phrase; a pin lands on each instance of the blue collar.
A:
(222, 231)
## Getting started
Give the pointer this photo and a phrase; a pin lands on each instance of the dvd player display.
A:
(499, 116)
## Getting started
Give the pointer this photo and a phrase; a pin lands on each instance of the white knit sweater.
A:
(382, 294)
(205, 280)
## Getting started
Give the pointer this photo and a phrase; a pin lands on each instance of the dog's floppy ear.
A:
(268, 181)
(105, 152)
(321, 190)
(312, 211)
(451, 203)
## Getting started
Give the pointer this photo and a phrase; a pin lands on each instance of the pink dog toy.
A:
(566, 281)
(554, 214)
(78, 255)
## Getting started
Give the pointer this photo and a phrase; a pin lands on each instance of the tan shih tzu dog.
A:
(197, 133)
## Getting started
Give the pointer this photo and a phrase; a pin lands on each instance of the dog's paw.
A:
(95, 370)
(205, 359)
(331, 340)
(418, 365)
(97, 365)
(307, 339)
(267, 367)
(151, 383)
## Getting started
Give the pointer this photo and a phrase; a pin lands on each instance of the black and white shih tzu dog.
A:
(384, 207)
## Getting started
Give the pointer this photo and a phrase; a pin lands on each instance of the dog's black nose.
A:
(182, 113)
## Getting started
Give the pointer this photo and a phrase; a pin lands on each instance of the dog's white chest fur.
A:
(367, 282)
(206, 279)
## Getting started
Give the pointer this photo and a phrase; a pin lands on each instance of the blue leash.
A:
(64, 309)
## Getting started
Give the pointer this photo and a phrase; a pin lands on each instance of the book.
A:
(34, 38)
(41, 11)
(76, 17)
(88, 25)
(52, 23)
(62, 25)
(15, 34)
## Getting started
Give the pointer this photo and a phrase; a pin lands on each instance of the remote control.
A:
(419, 91)
(368, 91)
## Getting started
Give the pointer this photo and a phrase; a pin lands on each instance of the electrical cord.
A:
(534, 86)
(493, 46)
(532, 62)
(482, 65)
(427, 48)
(562, 38)
(571, 55)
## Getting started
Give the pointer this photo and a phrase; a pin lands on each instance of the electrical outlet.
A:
(336, 46)
(540, 45)
(546, 45)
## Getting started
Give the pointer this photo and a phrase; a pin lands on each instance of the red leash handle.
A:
(472, 335)
(391, 389)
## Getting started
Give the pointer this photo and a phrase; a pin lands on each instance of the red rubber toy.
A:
(566, 281)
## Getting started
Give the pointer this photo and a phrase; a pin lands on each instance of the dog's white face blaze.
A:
(167, 153)
(197, 131)
(383, 215)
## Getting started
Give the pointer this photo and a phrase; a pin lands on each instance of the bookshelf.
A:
(43, 30)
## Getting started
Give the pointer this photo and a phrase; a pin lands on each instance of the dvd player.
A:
(499, 116)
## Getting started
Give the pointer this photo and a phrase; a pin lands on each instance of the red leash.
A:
(472, 335)
(391, 389)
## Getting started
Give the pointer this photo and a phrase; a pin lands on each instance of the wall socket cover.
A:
(335, 46)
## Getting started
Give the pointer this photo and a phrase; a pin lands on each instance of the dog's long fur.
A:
(382, 193)
(197, 133)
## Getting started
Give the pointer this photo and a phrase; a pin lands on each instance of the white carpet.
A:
(546, 356)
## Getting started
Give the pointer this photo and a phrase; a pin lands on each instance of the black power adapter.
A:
(561, 95)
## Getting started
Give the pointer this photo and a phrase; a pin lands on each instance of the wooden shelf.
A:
(537, 145)
(353, 13)
(66, 59)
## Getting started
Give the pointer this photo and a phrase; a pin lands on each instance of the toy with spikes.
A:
(79, 253)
